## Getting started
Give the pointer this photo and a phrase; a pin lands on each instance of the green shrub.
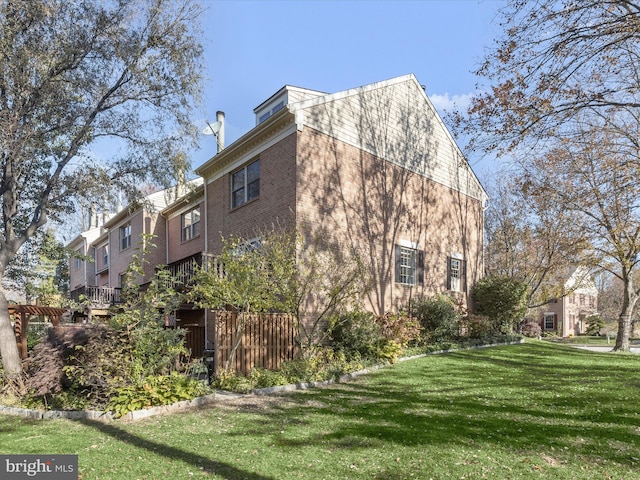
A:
(154, 391)
(438, 317)
(502, 299)
(356, 333)
(595, 323)
(389, 350)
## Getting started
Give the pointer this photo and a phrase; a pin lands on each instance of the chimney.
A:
(220, 134)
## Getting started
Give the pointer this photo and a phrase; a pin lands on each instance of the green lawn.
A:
(535, 410)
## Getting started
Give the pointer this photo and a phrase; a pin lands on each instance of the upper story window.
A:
(104, 254)
(190, 224)
(581, 299)
(125, 236)
(276, 108)
(77, 261)
(245, 184)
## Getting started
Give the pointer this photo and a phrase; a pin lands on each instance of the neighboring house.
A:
(111, 246)
(566, 315)
(371, 170)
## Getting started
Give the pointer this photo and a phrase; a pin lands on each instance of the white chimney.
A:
(220, 135)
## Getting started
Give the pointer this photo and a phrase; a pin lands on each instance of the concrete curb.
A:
(218, 396)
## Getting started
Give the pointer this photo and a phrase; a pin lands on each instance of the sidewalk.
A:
(604, 349)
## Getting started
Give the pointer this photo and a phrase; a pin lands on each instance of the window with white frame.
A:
(456, 273)
(190, 224)
(407, 265)
(245, 184)
(125, 236)
(77, 261)
(549, 321)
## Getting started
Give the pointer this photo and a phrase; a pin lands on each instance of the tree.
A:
(555, 61)
(594, 176)
(502, 299)
(530, 239)
(563, 77)
(40, 270)
(74, 75)
(248, 277)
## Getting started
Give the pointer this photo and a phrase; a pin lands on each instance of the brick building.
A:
(371, 170)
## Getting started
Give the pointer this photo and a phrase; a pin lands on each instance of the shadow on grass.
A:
(221, 469)
(525, 400)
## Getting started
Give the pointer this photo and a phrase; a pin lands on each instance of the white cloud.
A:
(445, 103)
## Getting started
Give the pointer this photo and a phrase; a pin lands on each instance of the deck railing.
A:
(97, 296)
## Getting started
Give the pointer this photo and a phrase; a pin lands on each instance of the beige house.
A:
(371, 170)
(566, 316)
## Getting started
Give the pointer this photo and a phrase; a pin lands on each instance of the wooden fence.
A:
(266, 341)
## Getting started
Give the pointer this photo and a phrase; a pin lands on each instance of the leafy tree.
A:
(564, 95)
(502, 299)
(74, 76)
(595, 323)
(595, 177)
(531, 239)
(40, 270)
(554, 62)
(251, 278)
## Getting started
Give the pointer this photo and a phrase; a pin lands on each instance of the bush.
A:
(438, 317)
(152, 392)
(400, 328)
(531, 329)
(595, 323)
(479, 327)
(356, 333)
(503, 299)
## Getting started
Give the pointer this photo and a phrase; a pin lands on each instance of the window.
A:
(77, 261)
(549, 321)
(592, 301)
(245, 184)
(409, 265)
(264, 117)
(190, 224)
(125, 237)
(456, 273)
(105, 255)
(581, 299)
(572, 298)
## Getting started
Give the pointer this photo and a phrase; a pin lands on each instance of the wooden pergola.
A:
(21, 315)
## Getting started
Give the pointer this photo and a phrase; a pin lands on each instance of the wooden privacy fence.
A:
(266, 340)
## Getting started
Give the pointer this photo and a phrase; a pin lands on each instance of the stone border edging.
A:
(209, 399)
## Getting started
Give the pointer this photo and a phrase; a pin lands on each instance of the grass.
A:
(535, 410)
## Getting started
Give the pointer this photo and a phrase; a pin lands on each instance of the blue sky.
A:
(253, 48)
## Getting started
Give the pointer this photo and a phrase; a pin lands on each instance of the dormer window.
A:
(276, 108)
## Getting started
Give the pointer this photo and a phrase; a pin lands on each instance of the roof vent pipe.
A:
(217, 129)
(220, 135)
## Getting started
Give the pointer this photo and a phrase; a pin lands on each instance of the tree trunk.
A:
(237, 339)
(11, 362)
(629, 299)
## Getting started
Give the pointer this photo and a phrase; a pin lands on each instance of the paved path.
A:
(604, 349)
